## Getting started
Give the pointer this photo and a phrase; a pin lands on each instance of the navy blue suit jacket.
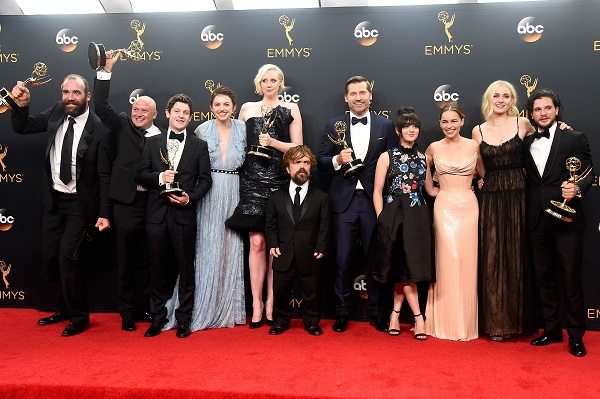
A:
(383, 137)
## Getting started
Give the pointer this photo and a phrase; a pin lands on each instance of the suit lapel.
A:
(53, 126)
(372, 137)
(288, 203)
(186, 155)
(553, 152)
(530, 160)
(306, 202)
(84, 142)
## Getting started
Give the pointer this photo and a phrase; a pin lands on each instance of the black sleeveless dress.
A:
(502, 238)
(259, 177)
(402, 249)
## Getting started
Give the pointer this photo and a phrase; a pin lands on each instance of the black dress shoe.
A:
(75, 328)
(341, 324)
(127, 324)
(278, 329)
(53, 319)
(576, 347)
(314, 330)
(155, 329)
(547, 339)
(183, 330)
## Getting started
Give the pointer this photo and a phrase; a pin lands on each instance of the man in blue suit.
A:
(351, 194)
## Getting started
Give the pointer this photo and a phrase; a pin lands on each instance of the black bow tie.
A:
(176, 136)
(539, 135)
(362, 120)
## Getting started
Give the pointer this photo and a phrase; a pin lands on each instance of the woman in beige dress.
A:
(451, 311)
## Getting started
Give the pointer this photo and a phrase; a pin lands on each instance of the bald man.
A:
(128, 198)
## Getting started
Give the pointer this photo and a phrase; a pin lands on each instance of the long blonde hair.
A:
(486, 99)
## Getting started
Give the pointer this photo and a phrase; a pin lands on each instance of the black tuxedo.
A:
(69, 217)
(353, 211)
(129, 205)
(297, 241)
(556, 246)
(172, 228)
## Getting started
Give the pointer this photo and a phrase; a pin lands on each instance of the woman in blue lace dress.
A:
(219, 295)
(402, 249)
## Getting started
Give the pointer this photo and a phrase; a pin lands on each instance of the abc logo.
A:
(360, 286)
(529, 31)
(294, 98)
(365, 34)
(444, 94)
(6, 221)
(137, 93)
(66, 40)
(211, 38)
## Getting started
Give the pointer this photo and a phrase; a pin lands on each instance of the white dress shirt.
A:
(540, 149)
(177, 156)
(56, 149)
(303, 191)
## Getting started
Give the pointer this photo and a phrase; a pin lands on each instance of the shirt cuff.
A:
(336, 166)
(103, 75)
(160, 179)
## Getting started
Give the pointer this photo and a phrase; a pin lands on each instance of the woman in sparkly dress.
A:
(261, 176)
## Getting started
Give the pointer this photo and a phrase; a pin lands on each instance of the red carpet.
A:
(106, 362)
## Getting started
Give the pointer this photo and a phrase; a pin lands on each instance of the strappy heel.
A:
(394, 331)
(419, 336)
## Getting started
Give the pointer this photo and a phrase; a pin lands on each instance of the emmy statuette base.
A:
(260, 151)
(352, 167)
(561, 211)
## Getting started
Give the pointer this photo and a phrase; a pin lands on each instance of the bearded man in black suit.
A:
(556, 245)
(297, 230)
(75, 189)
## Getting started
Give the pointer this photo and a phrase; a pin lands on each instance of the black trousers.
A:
(283, 283)
(557, 259)
(63, 232)
(172, 247)
(133, 265)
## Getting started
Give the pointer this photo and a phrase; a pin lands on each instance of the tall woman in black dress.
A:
(402, 249)
(260, 177)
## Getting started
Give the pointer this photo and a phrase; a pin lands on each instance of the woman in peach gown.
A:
(451, 311)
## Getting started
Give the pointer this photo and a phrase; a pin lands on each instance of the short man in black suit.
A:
(556, 245)
(171, 217)
(76, 175)
(351, 198)
(128, 198)
(297, 231)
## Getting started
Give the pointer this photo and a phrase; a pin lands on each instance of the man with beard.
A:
(297, 231)
(128, 198)
(556, 245)
(368, 135)
(75, 190)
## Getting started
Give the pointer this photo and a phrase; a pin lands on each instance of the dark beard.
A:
(300, 180)
(78, 111)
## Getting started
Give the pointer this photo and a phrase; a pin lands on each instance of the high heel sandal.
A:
(394, 331)
(419, 336)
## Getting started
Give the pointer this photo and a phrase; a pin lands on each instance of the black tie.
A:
(66, 153)
(539, 135)
(176, 136)
(362, 120)
(297, 206)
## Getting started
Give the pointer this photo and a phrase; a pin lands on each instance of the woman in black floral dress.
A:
(402, 249)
